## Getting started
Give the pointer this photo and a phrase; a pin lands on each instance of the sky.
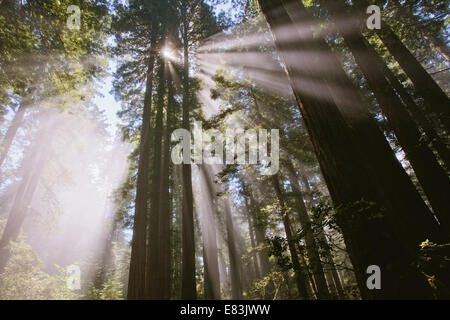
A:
(106, 101)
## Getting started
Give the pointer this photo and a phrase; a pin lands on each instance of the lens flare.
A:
(168, 53)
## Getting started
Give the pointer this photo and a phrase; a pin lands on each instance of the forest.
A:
(224, 150)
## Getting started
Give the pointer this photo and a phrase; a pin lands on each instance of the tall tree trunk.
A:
(165, 213)
(207, 283)
(288, 285)
(312, 289)
(397, 194)
(436, 100)
(251, 233)
(211, 255)
(323, 243)
(260, 242)
(188, 287)
(41, 154)
(176, 232)
(105, 261)
(11, 133)
(330, 267)
(260, 236)
(440, 45)
(224, 272)
(311, 247)
(136, 279)
(153, 264)
(300, 276)
(418, 115)
(235, 260)
(431, 176)
(357, 163)
(330, 280)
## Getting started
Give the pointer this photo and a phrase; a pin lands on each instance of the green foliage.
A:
(269, 286)
(111, 276)
(434, 263)
(278, 247)
(42, 61)
(112, 289)
(24, 278)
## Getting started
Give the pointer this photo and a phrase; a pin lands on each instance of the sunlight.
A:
(185, 149)
(168, 53)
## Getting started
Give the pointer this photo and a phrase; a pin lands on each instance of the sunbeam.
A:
(224, 150)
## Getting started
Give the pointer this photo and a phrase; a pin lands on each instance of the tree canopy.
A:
(223, 149)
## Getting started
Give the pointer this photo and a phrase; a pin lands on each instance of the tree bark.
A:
(25, 193)
(440, 45)
(188, 287)
(235, 265)
(136, 279)
(432, 177)
(436, 100)
(260, 236)
(357, 163)
(11, 133)
(165, 213)
(311, 246)
(153, 264)
(323, 242)
(211, 255)
(300, 276)
(418, 115)
(251, 233)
